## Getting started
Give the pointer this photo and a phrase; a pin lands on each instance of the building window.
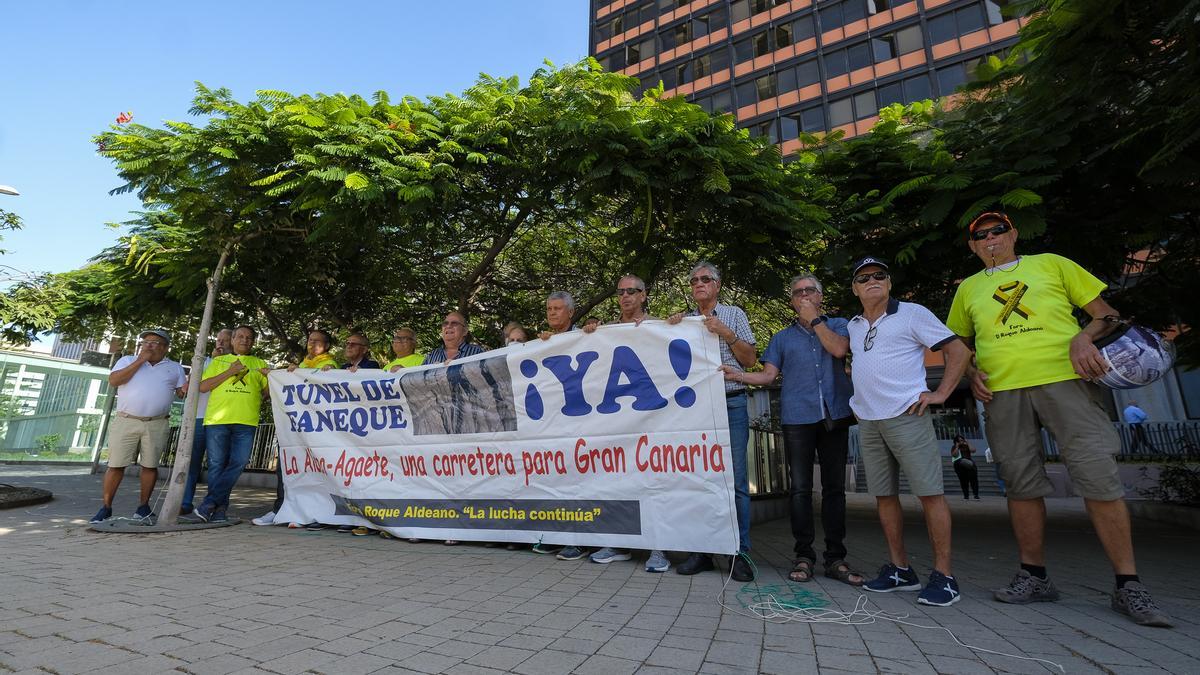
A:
(665, 6)
(799, 76)
(999, 11)
(812, 120)
(639, 51)
(890, 93)
(950, 25)
(884, 48)
(802, 28)
(835, 63)
(864, 105)
(858, 56)
(917, 89)
(676, 35)
(951, 78)
(909, 39)
(841, 112)
(765, 86)
(767, 129)
(842, 13)
(744, 9)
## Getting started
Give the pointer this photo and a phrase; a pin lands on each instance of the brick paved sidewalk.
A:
(272, 600)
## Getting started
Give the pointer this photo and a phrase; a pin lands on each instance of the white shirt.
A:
(890, 376)
(151, 390)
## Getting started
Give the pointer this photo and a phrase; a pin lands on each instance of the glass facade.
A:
(783, 67)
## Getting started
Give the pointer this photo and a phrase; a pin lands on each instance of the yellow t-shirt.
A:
(406, 361)
(1021, 319)
(237, 399)
(319, 361)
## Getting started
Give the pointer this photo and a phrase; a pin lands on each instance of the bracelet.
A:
(736, 340)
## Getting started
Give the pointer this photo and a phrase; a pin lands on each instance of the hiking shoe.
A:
(941, 591)
(265, 519)
(361, 531)
(696, 563)
(742, 571)
(657, 562)
(571, 553)
(1026, 588)
(102, 515)
(143, 513)
(1135, 602)
(892, 578)
(546, 549)
(608, 554)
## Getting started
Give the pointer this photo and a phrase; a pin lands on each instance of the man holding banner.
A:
(732, 327)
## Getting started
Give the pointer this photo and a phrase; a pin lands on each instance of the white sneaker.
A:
(657, 562)
(267, 518)
(608, 555)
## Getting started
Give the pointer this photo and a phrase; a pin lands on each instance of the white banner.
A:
(615, 438)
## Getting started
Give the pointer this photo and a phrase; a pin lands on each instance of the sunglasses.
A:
(869, 339)
(629, 291)
(807, 290)
(877, 276)
(981, 234)
(703, 279)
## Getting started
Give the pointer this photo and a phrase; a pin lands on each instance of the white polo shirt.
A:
(890, 375)
(151, 390)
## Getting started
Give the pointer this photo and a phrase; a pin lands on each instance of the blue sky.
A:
(69, 67)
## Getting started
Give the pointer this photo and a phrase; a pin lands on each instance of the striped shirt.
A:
(438, 356)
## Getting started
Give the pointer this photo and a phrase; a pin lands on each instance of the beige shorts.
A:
(905, 442)
(131, 440)
(1086, 439)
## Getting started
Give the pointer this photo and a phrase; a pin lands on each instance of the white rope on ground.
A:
(776, 611)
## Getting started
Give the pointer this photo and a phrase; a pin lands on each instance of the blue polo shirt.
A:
(812, 378)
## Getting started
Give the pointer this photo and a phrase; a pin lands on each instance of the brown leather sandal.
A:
(802, 570)
(841, 570)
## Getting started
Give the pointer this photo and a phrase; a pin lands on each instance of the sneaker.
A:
(345, 529)
(314, 526)
(102, 515)
(414, 540)
(384, 534)
(546, 549)
(571, 553)
(742, 571)
(361, 531)
(941, 591)
(265, 519)
(204, 513)
(1025, 588)
(219, 516)
(186, 509)
(513, 546)
(143, 513)
(892, 578)
(451, 542)
(1135, 602)
(696, 563)
(608, 554)
(657, 562)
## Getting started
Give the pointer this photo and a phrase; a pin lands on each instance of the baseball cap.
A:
(989, 217)
(867, 262)
(156, 331)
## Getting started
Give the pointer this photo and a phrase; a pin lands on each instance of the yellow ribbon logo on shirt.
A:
(1010, 296)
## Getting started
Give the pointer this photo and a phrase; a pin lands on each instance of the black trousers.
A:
(805, 443)
(278, 486)
(968, 477)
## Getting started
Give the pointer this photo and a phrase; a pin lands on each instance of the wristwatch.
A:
(818, 321)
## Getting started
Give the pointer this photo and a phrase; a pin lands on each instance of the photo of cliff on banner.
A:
(614, 438)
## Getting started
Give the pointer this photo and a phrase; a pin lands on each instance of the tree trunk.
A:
(187, 427)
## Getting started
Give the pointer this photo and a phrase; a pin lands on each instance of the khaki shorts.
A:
(905, 442)
(131, 440)
(1072, 412)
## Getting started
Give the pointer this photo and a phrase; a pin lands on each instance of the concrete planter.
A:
(1186, 516)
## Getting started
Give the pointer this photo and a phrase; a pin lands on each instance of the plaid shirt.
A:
(438, 356)
(736, 319)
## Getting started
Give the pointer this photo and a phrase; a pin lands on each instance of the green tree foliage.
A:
(371, 214)
(1085, 134)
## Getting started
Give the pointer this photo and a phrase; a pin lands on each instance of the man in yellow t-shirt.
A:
(237, 385)
(404, 346)
(1036, 368)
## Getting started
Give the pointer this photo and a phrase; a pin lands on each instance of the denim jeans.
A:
(804, 443)
(739, 436)
(229, 448)
(198, 445)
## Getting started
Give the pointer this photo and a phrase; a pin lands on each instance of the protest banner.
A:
(614, 438)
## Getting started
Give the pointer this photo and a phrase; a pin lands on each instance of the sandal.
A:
(841, 570)
(801, 570)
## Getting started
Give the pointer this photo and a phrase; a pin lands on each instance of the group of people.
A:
(1011, 331)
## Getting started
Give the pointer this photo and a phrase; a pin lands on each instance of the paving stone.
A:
(550, 662)
(672, 657)
(607, 665)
